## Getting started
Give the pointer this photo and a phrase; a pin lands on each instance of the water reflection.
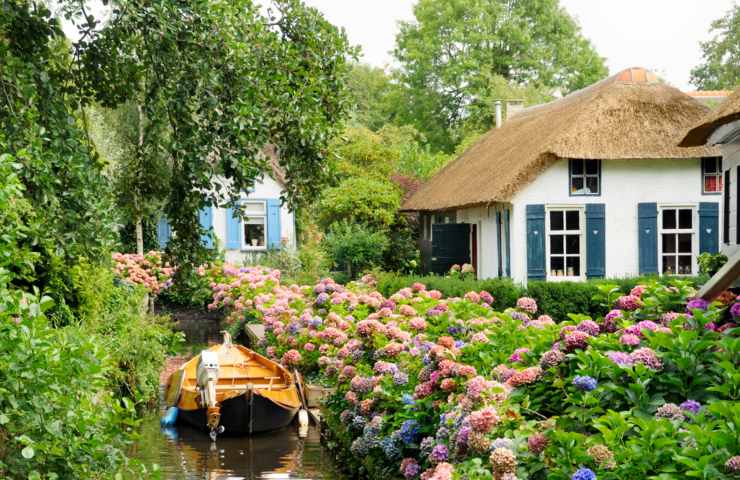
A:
(185, 453)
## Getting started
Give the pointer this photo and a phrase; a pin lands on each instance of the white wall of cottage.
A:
(624, 184)
(266, 188)
(731, 161)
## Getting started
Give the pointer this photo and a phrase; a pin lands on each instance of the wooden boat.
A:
(233, 390)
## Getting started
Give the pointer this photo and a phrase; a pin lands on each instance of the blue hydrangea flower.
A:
(390, 447)
(315, 322)
(691, 406)
(293, 328)
(585, 383)
(409, 431)
(358, 423)
(400, 378)
(459, 343)
(408, 399)
(584, 474)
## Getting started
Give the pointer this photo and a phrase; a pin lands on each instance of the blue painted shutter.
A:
(536, 242)
(647, 225)
(595, 240)
(273, 224)
(233, 230)
(164, 232)
(499, 249)
(205, 217)
(507, 241)
(708, 227)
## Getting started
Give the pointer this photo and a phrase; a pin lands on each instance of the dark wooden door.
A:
(450, 246)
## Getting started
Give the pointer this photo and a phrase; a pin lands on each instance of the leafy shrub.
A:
(355, 247)
(57, 415)
(362, 200)
(710, 263)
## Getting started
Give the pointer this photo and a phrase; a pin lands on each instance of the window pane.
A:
(573, 266)
(710, 165)
(592, 167)
(254, 234)
(669, 243)
(576, 167)
(573, 244)
(669, 265)
(710, 184)
(557, 266)
(684, 218)
(556, 244)
(592, 184)
(684, 265)
(572, 218)
(684, 243)
(576, 184)
(669, 219)
(556, 220)
(254, 208)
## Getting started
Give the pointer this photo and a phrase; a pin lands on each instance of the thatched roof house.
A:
(727, 112)
(630, 115)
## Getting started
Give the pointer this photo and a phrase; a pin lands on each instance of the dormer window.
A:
(585, 176)
(711, 175)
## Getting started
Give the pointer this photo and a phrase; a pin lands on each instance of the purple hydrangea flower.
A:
(622, 359)
(584, 474)
(585, 383)
(691, 406)
(439, 454)
(697, 304)
(735, 310)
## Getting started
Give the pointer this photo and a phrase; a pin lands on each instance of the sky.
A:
(661, 35)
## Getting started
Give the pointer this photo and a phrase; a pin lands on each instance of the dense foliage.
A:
(720, 67)
(440, 388)
(455, 52)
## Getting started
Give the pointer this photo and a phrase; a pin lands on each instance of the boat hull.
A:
(241, 417)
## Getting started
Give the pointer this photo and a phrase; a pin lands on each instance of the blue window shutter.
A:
(507, 242)
(536, 242)
(595, 240)
(708, 227)
(233, 230)
(205, 217)
(647, 225)
(163, 232)
(499, 250)
(273, 224)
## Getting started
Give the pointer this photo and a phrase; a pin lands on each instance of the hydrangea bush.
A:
(437, 388)
(148, 270)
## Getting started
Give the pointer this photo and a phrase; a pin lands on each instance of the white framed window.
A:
(677, 241)
(711, 175)
(566, 258)
(254, 226)
(585, 177)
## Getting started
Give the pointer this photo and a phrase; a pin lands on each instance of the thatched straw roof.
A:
(630, 115)
(727, 112)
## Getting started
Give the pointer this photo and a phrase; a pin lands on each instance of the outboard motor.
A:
(207, 376)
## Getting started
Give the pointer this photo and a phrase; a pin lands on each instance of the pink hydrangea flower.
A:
(628, 302)
(647, 357)
(527, 304)
(629, 339)
(483, 420)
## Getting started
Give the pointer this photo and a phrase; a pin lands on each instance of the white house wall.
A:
(485, 218)
(624, 184)
(264, 189)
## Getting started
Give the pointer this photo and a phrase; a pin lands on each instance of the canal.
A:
(183, 453)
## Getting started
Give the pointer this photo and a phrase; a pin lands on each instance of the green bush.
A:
(362, 200)
(355, 247)
(556, 299)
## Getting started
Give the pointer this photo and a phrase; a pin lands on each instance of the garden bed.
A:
(432, 387)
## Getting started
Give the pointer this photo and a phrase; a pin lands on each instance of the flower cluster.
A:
(148, 270)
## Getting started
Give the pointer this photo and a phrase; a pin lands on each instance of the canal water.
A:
(183, 453)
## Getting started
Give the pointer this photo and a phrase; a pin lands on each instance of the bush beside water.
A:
(439, 388)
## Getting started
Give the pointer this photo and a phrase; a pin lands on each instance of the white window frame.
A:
(245, 245)
(676, 231)
(581, 242)
(583, 176)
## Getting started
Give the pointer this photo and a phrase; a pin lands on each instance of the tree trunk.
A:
(139, 235)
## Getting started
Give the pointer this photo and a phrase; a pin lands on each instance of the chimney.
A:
(498, 114)
(513, 107)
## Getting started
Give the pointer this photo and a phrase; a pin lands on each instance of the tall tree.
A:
(453, 53)
(720, 68)
(226, 79)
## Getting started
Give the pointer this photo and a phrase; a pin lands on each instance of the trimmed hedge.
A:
(556, 299)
